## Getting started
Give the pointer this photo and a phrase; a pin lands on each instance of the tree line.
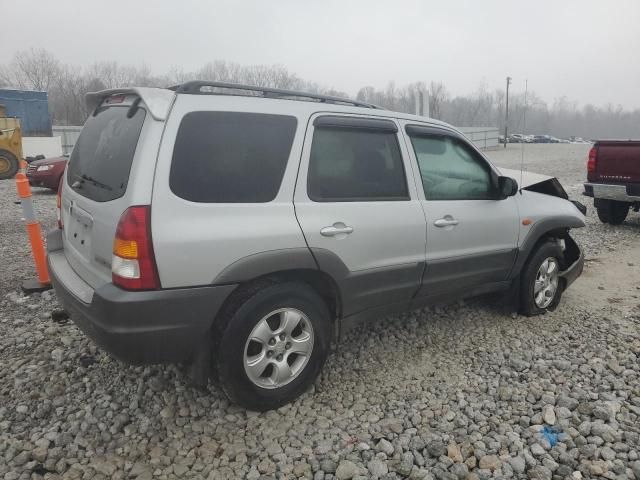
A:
(38, 69)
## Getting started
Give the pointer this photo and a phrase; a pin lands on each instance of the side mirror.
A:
(507, 187)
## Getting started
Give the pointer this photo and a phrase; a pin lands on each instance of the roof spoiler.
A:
(157, 100)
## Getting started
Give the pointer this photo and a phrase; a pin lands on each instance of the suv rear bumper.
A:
(160, 326)
(610, 192)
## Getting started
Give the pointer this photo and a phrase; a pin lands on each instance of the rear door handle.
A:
(447, 221)
(336, 229)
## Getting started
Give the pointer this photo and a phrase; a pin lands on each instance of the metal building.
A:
(32, 108)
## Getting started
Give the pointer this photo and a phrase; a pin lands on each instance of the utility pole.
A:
(506, 113)
(422, 103)
(419, 103)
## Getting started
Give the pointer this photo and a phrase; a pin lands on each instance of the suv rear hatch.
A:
(617, 161)
(97, 186)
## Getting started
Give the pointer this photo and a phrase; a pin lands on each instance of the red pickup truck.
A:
(613, 179)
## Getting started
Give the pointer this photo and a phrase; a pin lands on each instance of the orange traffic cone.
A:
(42, 282)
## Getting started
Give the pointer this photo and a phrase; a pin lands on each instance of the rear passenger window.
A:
(230, 157)
(350, 165)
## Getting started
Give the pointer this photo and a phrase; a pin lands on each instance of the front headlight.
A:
(44, 168)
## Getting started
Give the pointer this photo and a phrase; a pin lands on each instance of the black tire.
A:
(528, 305)
(612, 211)
(7, 157)
(242, 317)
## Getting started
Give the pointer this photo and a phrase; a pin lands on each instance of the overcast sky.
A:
(587, 50)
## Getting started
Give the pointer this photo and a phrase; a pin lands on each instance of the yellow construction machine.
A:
(10, 145)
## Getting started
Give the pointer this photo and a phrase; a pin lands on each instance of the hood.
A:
(536, 182)
(528, 178)
(48, 161)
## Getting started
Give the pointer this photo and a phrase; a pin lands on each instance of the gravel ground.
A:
(461, 391)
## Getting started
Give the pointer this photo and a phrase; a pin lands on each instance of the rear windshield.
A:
(230, 157)
(101, 160)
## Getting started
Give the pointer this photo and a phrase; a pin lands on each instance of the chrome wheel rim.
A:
(278, 348)
(546, 284)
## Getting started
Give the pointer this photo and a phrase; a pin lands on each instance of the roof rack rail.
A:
(195, 87)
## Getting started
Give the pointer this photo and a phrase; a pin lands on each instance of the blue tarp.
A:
(32, 108)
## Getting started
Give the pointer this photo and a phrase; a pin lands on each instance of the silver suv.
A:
(246, 228)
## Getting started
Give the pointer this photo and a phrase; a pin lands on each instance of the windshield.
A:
(101, 160)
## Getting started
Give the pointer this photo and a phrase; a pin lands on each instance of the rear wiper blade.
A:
(95, 182)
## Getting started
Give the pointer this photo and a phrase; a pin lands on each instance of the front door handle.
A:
(447, 221)
(337, 228)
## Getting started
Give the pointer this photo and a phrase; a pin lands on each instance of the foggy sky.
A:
(586, 50)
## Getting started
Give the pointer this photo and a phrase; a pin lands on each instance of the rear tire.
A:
(612, 211)
(9, 165)
(257, 374)
(537, 292)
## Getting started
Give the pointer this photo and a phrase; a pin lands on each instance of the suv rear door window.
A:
(101, 159)
(231, 157)
(355, 164)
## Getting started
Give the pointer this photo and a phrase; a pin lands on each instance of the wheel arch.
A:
(542, 231)
(250, 275)
(320, 282)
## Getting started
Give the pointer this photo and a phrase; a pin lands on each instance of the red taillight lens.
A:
(591, 163)
(133, 266)
(59, 205)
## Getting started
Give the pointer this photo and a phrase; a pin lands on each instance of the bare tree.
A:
(34, 69)
(366, 94)
(438, 95)
(66, 97)
(67, 85)
(176, 75)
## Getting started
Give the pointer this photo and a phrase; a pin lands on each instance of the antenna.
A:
(524, 130)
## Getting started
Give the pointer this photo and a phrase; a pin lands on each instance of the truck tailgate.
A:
(618, 161)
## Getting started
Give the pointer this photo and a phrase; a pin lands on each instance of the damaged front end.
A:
(550, 219)
(535, 182)
(574, 259)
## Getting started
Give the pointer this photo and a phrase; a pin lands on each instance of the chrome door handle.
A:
(447, 221)
(336, 229)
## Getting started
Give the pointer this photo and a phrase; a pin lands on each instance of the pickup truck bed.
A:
(613, 178)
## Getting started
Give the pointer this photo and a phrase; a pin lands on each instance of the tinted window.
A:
(355, 165)
(101, 160)
(229, 157)
(451, 170)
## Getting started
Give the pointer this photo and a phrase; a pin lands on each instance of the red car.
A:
(47, 172)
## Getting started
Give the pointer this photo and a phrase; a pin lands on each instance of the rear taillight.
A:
(59, 205)
(133, 266)
(592, 163)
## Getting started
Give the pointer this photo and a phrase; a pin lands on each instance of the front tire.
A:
(612, 211)
(9, 165)
(541, 286)
(273, 346)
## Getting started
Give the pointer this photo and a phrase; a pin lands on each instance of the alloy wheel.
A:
(278, 348)
(546, 284)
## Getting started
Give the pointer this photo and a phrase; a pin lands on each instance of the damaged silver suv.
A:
(241, 230)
